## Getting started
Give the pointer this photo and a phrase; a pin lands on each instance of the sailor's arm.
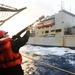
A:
(19, 42)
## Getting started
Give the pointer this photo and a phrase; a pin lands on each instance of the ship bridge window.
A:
(52, 35)
(52, 30)
(58, 30)
(46, 31)
(42, 32)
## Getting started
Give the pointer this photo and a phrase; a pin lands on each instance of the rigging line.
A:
(17, 11)
(49, 65)
(7, 6)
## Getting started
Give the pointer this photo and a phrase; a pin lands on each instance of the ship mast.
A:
(62, 4)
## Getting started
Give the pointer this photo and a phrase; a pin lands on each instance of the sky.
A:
(35, 9)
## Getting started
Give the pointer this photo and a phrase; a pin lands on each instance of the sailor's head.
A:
(3, 34)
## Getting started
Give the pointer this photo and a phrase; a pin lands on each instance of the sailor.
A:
(10, 57)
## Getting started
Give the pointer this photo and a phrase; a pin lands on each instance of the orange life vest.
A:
(7, 57)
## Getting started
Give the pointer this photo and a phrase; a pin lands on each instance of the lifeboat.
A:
(48, 24)
(40, 26)
(44, 25)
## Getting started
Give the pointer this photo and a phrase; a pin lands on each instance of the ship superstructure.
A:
(55, 30)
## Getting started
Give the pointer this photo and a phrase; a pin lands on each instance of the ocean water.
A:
(53, 60)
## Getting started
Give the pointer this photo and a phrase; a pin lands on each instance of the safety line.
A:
(48, 65)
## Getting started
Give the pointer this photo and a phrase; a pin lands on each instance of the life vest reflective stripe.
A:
(7, 57)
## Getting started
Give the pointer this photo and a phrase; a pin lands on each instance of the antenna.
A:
(62, 4)
(70, 8)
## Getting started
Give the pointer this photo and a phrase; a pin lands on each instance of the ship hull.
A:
(63, 41)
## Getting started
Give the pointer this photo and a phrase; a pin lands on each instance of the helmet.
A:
(2, 33)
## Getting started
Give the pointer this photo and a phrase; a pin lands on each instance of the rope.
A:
(48, 65)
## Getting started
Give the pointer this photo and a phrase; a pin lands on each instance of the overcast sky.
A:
(35, 9)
